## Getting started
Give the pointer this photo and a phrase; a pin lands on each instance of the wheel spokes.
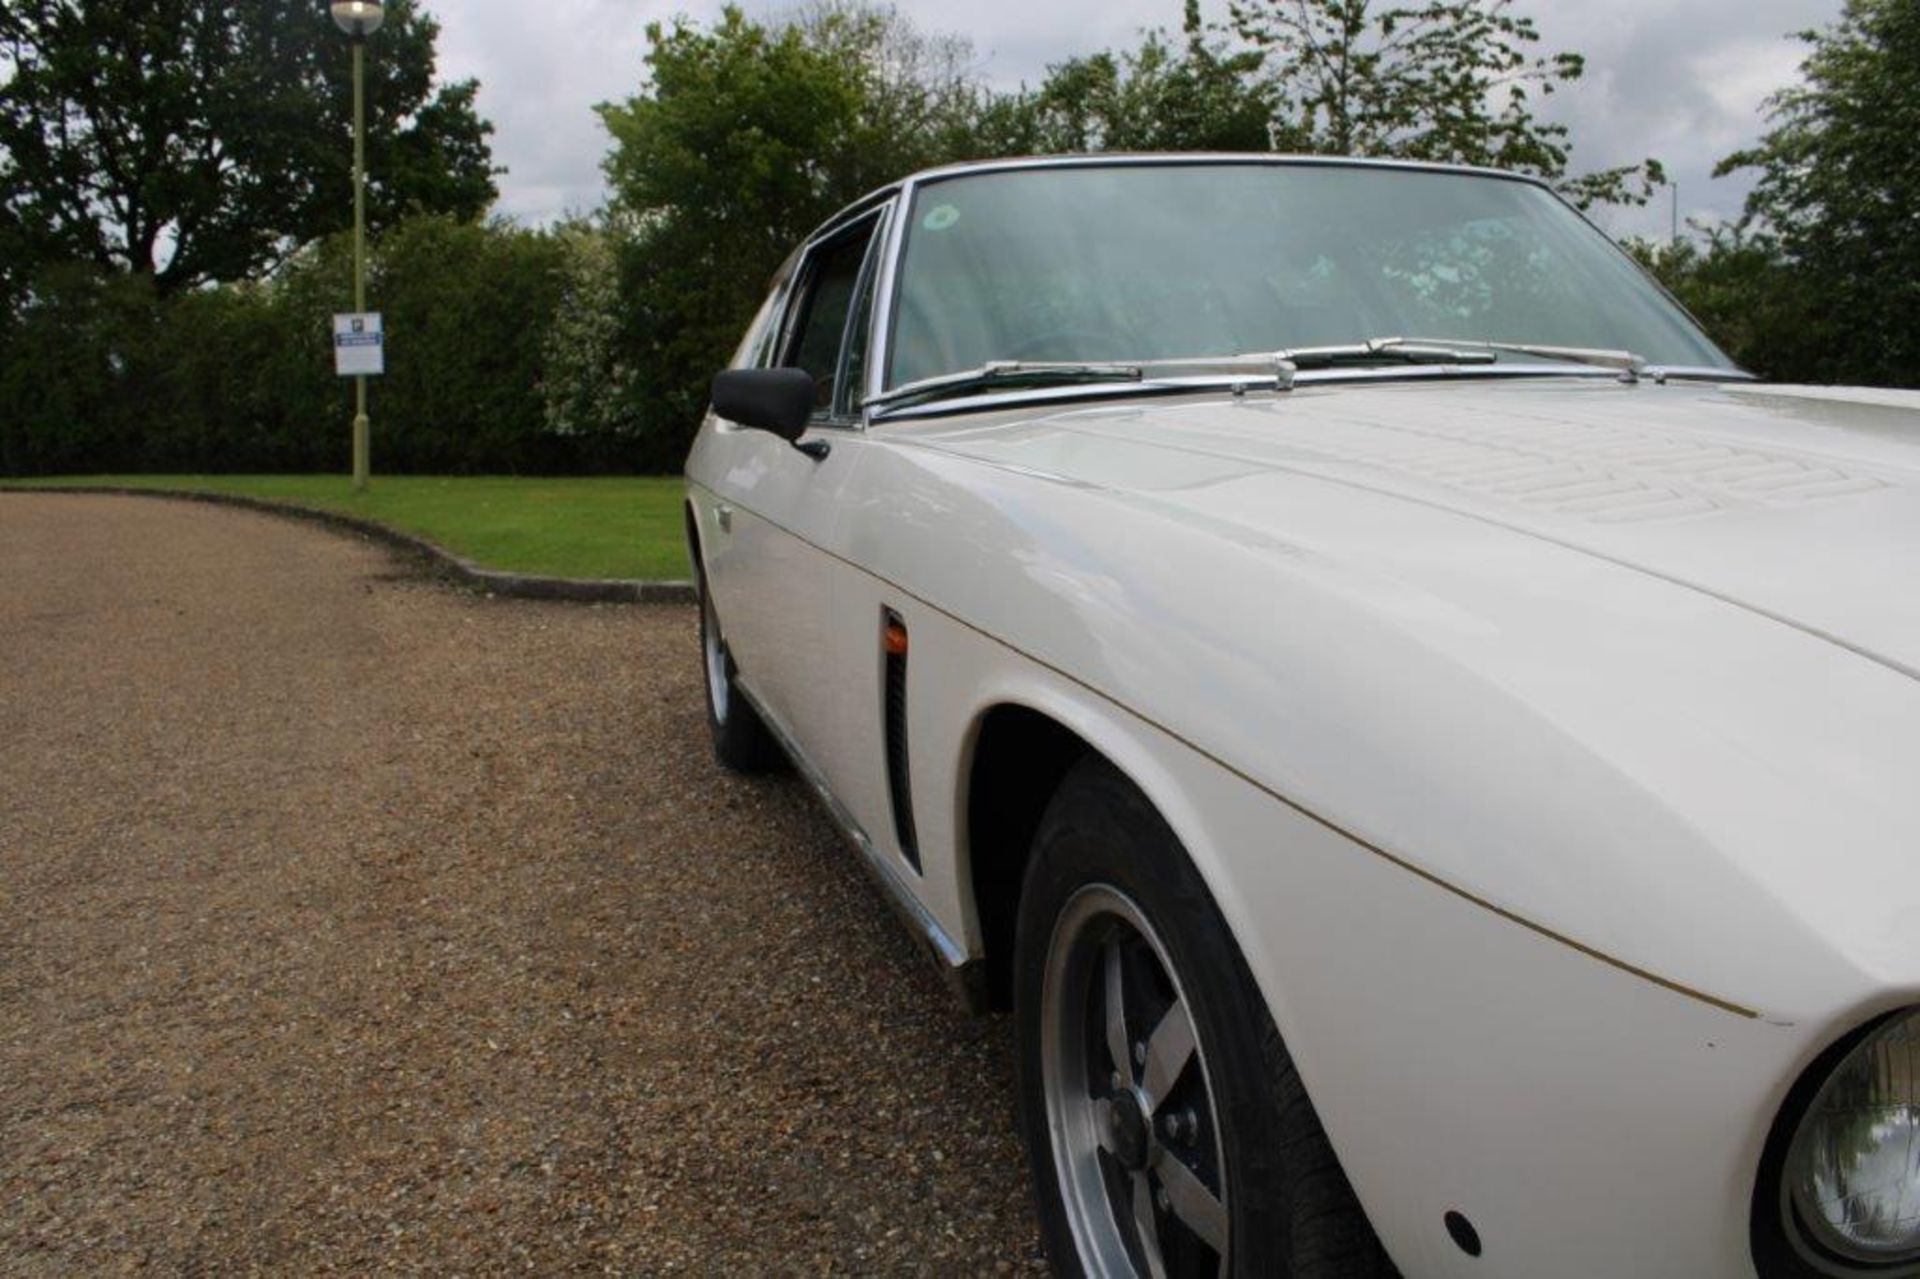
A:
(1116, 1015)
(1147, 1228)
(1169, 1049)
(1189, 1200)
(1136, 1137)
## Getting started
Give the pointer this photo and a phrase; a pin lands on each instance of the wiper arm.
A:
(1238, 369)
(1460, 351)
(1600, 357)
(1264, 367)
(1374, 350)
(996, 373)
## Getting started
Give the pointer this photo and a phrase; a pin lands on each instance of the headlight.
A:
(1853, 1171)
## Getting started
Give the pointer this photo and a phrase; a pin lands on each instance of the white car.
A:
(1427, 750)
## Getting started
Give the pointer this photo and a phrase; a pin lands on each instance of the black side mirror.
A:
(777, 400)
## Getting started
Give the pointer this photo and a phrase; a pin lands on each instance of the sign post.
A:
(359, 19)
(359, 352)
(359, 346)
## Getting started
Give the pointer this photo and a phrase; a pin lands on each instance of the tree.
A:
(589, 379)
(467, 305)
(1840, 193)
(1198, 96)
(1741, 288)
(727, 157)
(1444, 80)
(197, 140)
(917, 102)
(743, 139)
(16, 267)
(102, 373)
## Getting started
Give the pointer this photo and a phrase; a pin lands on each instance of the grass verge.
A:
(615, 526)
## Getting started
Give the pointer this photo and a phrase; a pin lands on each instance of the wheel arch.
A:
(1017, 759)
(1026, 742)
(1018, 749)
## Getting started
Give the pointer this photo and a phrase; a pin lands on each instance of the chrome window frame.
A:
(789, 280)
(864, 283)
(830, 234)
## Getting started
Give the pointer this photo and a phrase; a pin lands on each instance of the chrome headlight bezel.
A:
(1790, 1238)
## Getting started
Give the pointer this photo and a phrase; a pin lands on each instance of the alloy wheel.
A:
(1130, 1106)
(714, 657)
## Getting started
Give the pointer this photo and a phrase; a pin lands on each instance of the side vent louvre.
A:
(893, 643)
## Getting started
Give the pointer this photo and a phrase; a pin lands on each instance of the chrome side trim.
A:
(966, 975)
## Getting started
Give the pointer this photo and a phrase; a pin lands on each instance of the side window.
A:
(757, 346)
(832, 276)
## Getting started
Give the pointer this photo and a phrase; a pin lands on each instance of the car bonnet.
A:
(1798, 504)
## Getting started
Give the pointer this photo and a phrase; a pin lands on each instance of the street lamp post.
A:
(359, 19)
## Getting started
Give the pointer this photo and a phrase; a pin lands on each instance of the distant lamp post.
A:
(359, 19)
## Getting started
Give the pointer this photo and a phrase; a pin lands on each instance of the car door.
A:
(775, 510)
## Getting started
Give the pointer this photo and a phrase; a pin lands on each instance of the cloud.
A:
(1682, 82)
(542, 68)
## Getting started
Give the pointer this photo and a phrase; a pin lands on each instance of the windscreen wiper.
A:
(1630, 365)
(1383, 350)
(1458, 351)
(1627, 362)
(1239, 370)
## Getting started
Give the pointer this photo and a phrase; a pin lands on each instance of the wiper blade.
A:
(1459, 351)
(996, 374)
(1600, 357)
(1261, 367)
(1376, 350)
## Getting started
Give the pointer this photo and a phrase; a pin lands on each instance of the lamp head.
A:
(358, 18)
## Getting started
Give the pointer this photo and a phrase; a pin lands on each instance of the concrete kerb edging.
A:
(592, 590)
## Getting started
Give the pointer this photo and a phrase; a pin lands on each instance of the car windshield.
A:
(1179, 260)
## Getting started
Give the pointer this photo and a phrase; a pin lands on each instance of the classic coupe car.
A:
(1426, 749)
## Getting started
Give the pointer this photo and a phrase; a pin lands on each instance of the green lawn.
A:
(621, 526)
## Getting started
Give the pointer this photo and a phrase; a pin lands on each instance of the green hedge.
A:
(98, 373)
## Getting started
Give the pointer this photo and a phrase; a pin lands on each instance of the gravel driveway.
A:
(352, 922)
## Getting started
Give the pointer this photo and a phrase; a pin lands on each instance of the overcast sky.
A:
(1682, 80)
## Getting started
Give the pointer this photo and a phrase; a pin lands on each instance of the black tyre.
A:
(1166, 1127)
(741, 741)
